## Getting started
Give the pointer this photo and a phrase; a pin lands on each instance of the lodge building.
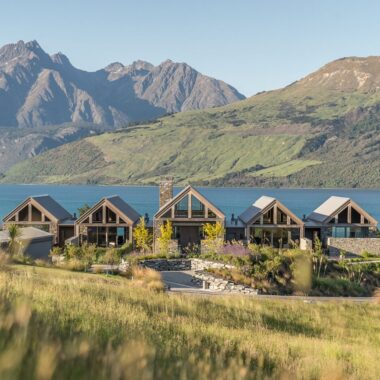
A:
(267, 221)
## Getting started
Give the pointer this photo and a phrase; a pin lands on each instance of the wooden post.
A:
(349, 214)
(130, 234)
(29, 212)
(189, 205)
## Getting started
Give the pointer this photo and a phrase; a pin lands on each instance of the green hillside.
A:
(320, 131)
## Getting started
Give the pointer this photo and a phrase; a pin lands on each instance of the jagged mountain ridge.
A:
(320, 131)
(37, 89)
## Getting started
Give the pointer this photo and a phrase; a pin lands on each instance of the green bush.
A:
(338, 287)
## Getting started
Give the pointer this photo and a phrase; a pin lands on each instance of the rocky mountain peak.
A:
(60, 59)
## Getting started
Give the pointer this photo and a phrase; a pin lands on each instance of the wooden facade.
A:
(108, 223)
(188, 212)
(339, 217)
(269, 222)
(44, 213)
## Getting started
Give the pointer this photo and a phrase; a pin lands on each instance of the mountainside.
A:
(37, 89)
(322, 130)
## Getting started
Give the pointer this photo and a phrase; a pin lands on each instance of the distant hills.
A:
(321, 131)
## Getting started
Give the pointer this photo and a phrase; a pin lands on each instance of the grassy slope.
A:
(268, 139)
(58, 324)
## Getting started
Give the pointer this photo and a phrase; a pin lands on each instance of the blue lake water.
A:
(145, 199)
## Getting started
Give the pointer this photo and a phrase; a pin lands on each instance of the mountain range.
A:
(320, 131)
(45, 101)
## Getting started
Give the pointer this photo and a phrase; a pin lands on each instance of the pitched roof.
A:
(118, 204)
(47, 203)
(328, 208)
(332, 206)
(256, 208)
(52, 206)
(181, 195)
(124, 207)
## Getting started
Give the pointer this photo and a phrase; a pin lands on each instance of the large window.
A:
(110, 216)
(268, 217)
(36, 215)
(181, 208)
(23, 214)
(281, 217)
(97, 216)
(197, 208)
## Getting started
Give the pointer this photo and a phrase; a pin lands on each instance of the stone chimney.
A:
(166, 190)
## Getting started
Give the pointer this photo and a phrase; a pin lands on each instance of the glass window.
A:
(211, 214)
(36, 215)
(97, 216)
(23, 214)
(281, 217)
(110, 216)
(181, 208)
(268, 217)
(343, 216)
(355, 216)
(197, 208)
(168, 214)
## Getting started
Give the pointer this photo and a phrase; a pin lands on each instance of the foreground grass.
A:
(58, 325)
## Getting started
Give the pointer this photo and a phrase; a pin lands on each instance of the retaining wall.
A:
(354, 246)
(220, 284)
(177, 264)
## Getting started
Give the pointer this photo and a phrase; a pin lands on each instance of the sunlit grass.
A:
(56, 324)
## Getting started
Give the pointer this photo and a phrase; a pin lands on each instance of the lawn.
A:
(56, 324)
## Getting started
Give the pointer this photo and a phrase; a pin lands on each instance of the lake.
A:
(145, 198)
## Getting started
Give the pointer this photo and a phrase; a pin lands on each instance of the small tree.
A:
(14, 233)
(319, 258)
(143, 239)
(166, 232)
(82, 210)
(214, 236)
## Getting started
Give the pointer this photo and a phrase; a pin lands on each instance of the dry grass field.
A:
(56, 324)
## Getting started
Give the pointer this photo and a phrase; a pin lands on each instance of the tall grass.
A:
(56, 324)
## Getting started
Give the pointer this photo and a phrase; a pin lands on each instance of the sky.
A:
(252, 45)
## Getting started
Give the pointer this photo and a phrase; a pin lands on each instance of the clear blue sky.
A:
(253, 45)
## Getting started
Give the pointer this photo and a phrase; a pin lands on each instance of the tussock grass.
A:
(56, 324)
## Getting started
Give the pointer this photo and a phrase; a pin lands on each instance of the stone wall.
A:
(177, 264)
(219, 284)
(354, 246)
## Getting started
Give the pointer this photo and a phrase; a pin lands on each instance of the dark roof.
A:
(182, 194)
(52, 206)
(124, 207)
(48, 204)
(119, 204)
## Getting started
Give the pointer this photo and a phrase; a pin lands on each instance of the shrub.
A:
(337, 287)
(143, 239)
(165, 238)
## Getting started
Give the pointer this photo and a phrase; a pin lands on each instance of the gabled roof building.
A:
(45, 213)
(268, 221)
(109, 222)
(339, 217)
